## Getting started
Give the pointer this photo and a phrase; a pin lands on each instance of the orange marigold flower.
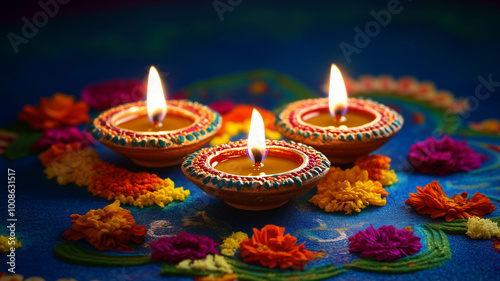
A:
(241, 112)
(110, 228)
(109, 180)
(138, 189)
(57, 111)
(348, 191)
(431, 200)
(237, 120)
(377, 167)
(73, 165)
(57, 150)
(271, 249)
(374, 164)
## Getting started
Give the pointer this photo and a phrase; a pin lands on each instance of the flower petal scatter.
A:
(271, 248)
(6, 244)
(57, 111)
(237, 121)
(138, 189)
(110, 228)
(209, 263)
(72, 164)
(69, 163)
(443, 157)
(232, 243)
(64, 135)
(478, 228)
(107, 94)
(56, 151)
(348, 191)
(489, 126)
(431, 200)
(183, 246)
(385, 244)
(378, 168)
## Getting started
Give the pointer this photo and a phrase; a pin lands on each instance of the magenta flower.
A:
(107, 94)
(443, 157)
(385, 244)
(183, 246)
(222, 106)
(65, 135)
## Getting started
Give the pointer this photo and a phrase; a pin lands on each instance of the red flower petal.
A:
(432, 200)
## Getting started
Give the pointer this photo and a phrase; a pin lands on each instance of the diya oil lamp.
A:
(257, 174)
(152, 133)
(340, 127)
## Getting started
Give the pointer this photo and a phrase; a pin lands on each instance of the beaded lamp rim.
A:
(196, 166)
(288, 122)
(204, 126)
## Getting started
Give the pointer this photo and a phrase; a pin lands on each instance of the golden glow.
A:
(337, 95)
(156, 103)
(256, 147)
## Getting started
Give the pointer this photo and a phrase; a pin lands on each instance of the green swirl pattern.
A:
(76, 254)
(456, 226)
(437, 253)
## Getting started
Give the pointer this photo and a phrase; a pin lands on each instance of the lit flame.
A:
(256, 147)
(337, 99)
(156, 103)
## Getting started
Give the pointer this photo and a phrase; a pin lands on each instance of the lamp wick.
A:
(156, 121)
(257, 155)
(338, 114)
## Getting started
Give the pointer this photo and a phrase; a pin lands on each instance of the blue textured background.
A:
(450, 43)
